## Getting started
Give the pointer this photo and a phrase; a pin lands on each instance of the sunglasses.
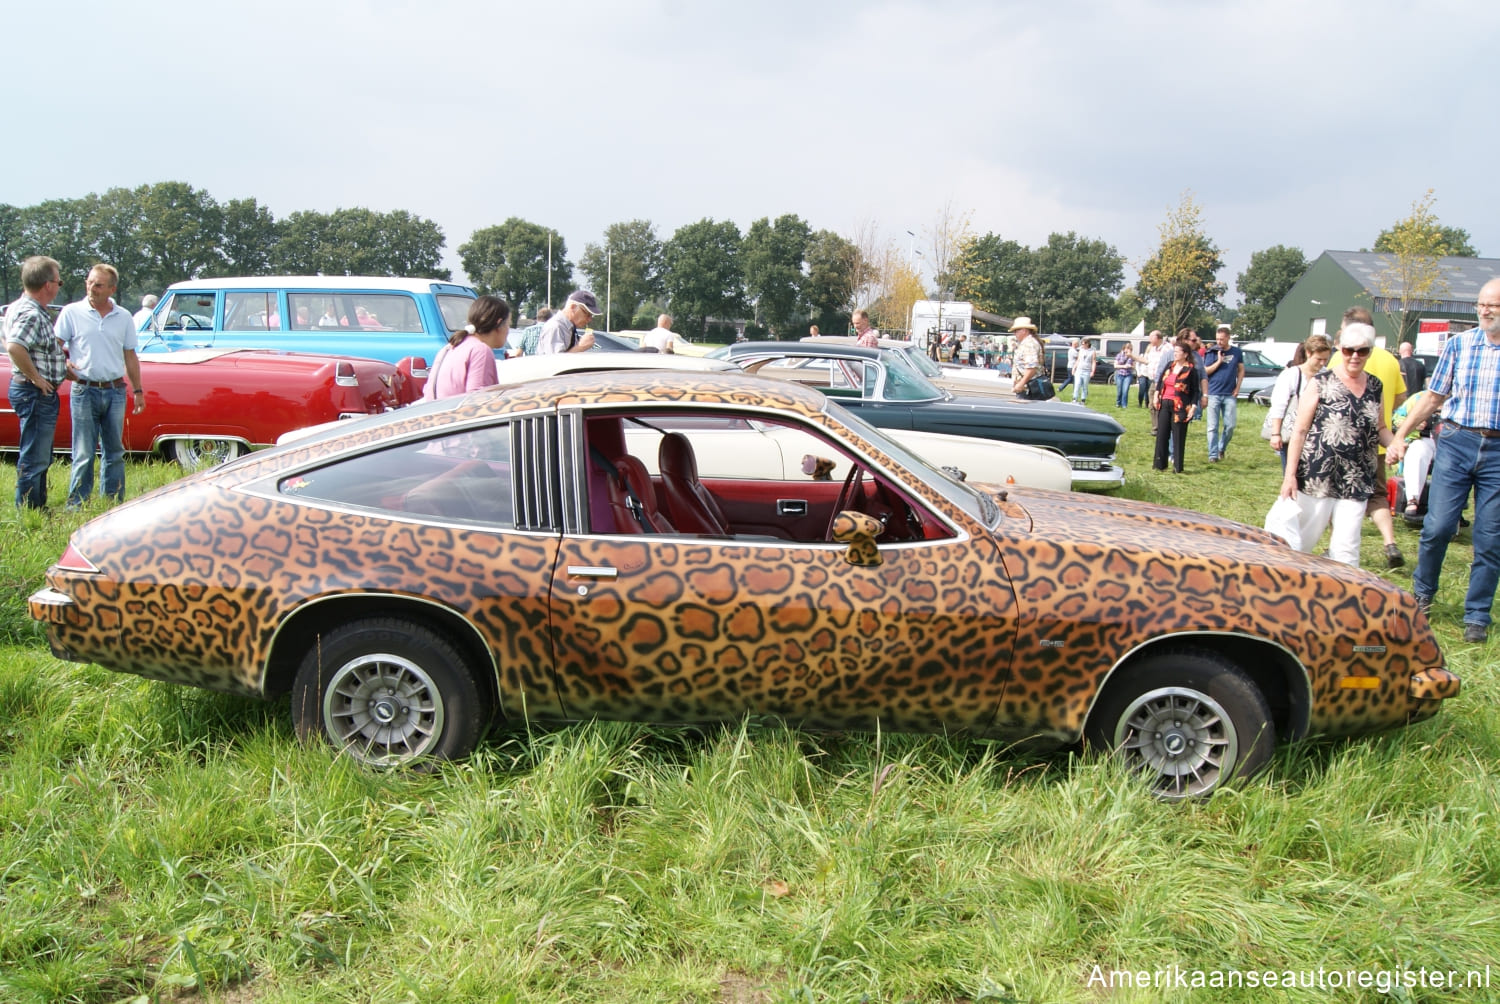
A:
(1346, 350)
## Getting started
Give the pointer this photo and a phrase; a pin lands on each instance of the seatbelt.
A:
(632, 501)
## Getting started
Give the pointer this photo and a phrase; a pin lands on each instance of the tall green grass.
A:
(160, 843)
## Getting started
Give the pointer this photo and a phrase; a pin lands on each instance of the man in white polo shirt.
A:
(99, 335)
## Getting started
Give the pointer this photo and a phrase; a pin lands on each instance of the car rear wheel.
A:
(388, 692)
(194, 454)
(1189, 722)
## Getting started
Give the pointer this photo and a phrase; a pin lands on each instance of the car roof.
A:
(323, 282)
(810, 348)
(525, 368)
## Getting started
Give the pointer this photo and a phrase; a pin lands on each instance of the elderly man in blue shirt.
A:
(100, 337)
(1466, 386)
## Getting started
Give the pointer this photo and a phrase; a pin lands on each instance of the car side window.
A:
(719, 474)
(463, 477)
(251, 311)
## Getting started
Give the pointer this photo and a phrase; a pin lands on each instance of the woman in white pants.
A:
(1331, 469)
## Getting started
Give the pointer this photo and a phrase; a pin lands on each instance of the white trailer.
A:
(948, 318)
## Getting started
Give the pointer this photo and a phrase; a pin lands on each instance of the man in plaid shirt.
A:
(1466, 385)
(38, 365)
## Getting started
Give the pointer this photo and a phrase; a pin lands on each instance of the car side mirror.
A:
(858, 531)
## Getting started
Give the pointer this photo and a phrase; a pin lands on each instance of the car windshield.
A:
(903, 382)
(922, 363)
(960, 493)
(455, 310)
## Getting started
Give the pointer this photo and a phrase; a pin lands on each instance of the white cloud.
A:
(1307, 123)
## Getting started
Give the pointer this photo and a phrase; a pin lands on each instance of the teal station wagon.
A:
(377, 318)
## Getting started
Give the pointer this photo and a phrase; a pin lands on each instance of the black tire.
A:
(389, 693)
(1188, 720)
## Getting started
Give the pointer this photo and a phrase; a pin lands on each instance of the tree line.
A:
(163, 233)
(781, 274)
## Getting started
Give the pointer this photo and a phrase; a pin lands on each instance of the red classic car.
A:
(208, 405)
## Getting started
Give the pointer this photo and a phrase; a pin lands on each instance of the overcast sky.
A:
(1312, 123)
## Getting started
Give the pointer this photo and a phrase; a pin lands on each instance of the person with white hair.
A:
(1331, 470)
(1465, 392)
(148, 306)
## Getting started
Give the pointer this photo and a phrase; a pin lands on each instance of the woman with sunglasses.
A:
(1331, 469)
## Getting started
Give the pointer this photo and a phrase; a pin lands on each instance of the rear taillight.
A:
(73, 560)
(344, 374)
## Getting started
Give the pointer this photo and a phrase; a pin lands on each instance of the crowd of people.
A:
(1329, 422)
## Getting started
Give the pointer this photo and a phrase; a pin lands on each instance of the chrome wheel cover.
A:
(1181, 738)
(197, 454)
(383, 709)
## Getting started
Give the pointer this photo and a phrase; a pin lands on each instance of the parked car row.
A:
(885, 389)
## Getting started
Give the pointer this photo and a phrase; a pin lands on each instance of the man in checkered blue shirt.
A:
(1466, 385)
(38, 365)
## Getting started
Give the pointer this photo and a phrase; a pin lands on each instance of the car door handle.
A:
(592, 572)
(791, 507)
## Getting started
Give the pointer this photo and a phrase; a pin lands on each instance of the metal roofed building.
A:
(1337, 280)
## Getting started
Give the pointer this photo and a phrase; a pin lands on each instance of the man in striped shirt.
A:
(1466, 386)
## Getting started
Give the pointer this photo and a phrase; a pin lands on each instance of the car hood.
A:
(1123, 524)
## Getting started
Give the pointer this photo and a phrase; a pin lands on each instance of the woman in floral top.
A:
(1331, 469)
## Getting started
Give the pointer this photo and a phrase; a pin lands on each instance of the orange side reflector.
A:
(1359, 683)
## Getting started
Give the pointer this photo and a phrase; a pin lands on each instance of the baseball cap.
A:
(586, 300)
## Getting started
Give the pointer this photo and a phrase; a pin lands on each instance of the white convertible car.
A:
(749, 449)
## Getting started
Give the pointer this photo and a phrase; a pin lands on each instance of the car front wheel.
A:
(388, 692)
(1190, 722)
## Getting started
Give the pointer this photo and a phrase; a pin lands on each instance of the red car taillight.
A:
(72, 560)
(344, 374)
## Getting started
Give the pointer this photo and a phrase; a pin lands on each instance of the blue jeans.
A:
(1123, 383)
(98, 423)
(37, 413)
(1223, 414)
(1465, 461)
(1080, 388)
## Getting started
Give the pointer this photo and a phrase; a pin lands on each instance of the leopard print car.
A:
(515, 554)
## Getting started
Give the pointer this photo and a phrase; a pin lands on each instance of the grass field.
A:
(159, 843)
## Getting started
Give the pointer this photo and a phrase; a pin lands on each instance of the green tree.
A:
(248, 242)
(1422, 229)
(627, 268)
(995, 274)
(510, 260)
(1415, 279)
(10, 252)
(703, 276)
(179, 231)
(112, 224)
(772, 256)
(1074, 281)
(833, 269)
(1127, 312)
(1178, 283)
(1272, 272)
(55, 228)
(358, 242)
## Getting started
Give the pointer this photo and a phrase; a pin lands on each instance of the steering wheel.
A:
(190, 323)
(893, 503)
(853, 484)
